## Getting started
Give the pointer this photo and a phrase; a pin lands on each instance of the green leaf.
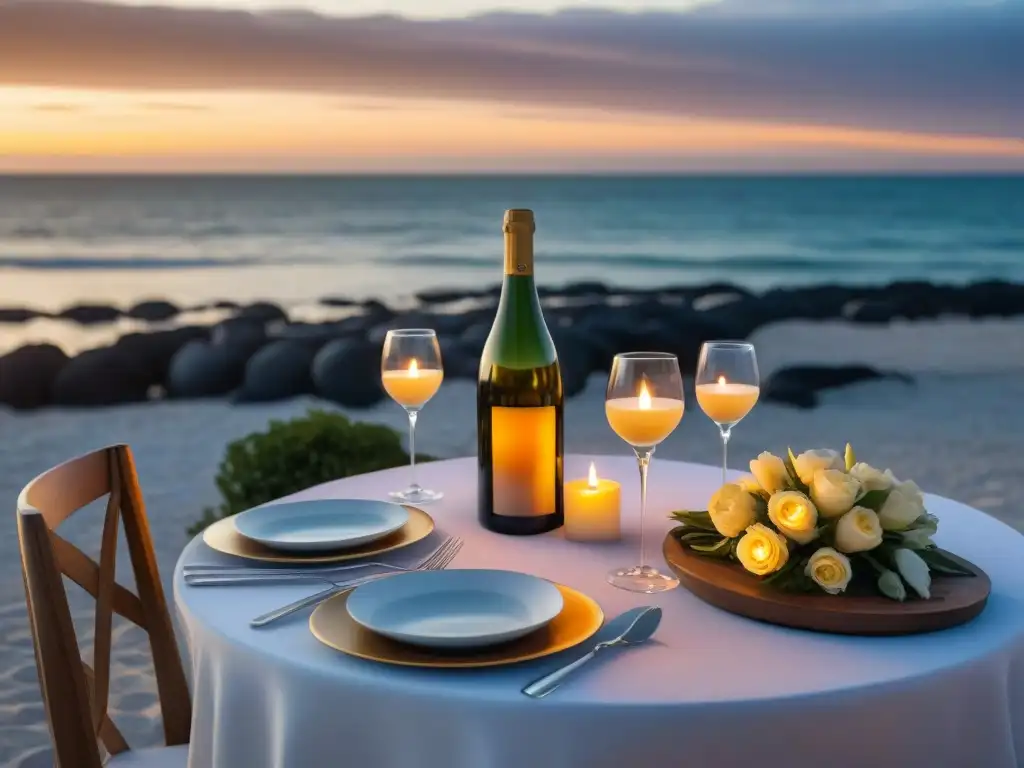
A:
(850, 457)
(940, 563)
(794, 478)
(720, 548)
(694, 519)
(873, 500)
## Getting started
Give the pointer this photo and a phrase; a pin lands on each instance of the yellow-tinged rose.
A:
(809, 462)
(770, 472)
(834, 492)
(794, 515)
(870, 478)
(762, 550)
(749, 484)
(830, 570)
(858, 531)
(902, 507)
(732, 510)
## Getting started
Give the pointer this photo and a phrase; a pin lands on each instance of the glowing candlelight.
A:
(592, 508)
(414, 386)
(725, 402)
(644, 420)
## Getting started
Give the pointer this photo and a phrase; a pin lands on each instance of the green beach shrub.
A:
(293, 455)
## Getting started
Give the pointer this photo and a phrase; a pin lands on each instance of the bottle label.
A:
(523, 461)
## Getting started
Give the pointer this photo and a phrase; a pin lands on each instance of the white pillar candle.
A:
(592, 508)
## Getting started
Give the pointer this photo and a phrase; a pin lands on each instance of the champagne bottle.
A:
(519, 402)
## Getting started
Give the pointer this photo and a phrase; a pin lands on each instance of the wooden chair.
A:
(74, 694)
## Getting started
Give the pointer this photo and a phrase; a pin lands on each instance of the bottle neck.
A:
(518, 251)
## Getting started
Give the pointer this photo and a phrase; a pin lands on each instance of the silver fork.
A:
(219, 575)
(436, 562)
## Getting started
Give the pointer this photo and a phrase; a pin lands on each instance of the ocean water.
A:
(296, 239)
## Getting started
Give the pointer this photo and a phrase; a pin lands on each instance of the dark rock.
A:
(18, 315)
(800, 385)
(444, 296)
(338, 301)
(820, 302)
(104, 376)
(583, 288)
(153, 311)
(574, 360)
(993, 298)
(151, 353)
(279, 371)
(458, 363)
(27, 375)
(874, 311)
(474, 338)
(377, 310)
(312, 335)
(240, 335)
(202, 369)
(714, 289)
(347, 372)
(90, 314)
(263, 311)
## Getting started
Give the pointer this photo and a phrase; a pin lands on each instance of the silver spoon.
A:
(640, 624)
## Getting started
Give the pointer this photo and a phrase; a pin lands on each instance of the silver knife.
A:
(631, 628)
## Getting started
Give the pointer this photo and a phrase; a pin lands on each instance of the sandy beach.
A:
(957, 430)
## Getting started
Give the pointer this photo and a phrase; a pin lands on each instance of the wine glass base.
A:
(642, 578)
(416, 496)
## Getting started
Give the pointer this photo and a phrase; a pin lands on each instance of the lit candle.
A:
(413, 386)
(592, 508)
(643, 421)
(725, 402)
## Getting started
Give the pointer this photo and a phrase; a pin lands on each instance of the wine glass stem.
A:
(726, 434)
(643, 460)
(412, 448)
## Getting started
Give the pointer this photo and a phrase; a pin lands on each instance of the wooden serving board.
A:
(724, 584)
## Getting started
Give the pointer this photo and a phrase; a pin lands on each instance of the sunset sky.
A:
(461, 85)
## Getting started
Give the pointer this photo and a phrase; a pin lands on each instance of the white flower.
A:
(749, 484)
(732, 510)
(762, 550)
(914, 571)
(834, 492)
(809, 462)
(902, 507)
(830, 570)
(794, 515)
(770, 472)
(858, 531)
(870, 478)
(891, 585)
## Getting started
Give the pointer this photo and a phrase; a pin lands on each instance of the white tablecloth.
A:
(712, 689)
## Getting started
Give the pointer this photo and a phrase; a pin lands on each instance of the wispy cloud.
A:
(58, 107)
(944, 70)
(172, 106)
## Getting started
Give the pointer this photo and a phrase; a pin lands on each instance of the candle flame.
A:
(644, 399)
(592, 477)
(721, 381)
(414, 369)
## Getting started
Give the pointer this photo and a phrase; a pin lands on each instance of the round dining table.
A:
(709, 689)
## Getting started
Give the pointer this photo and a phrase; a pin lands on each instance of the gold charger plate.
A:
(579, 620)
(224, 537)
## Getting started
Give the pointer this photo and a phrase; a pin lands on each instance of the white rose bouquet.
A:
(822, 522)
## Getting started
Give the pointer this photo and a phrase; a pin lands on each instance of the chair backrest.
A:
(75, 694)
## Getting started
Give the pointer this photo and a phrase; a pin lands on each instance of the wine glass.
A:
(411, 372)
(728, 386)
(644, 403)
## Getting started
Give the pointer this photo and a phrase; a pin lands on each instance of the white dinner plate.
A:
(321, 524)
(455, 609)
